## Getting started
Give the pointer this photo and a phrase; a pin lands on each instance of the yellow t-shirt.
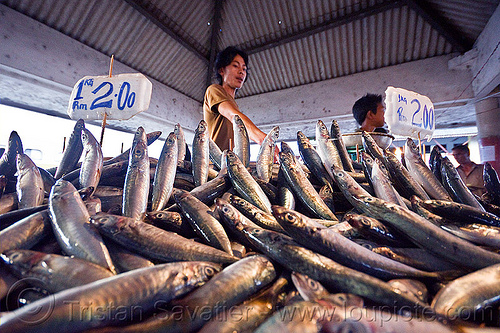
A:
(219, 127)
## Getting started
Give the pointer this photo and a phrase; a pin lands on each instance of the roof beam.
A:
(332, 23)
(141, 8)
(216, 20)
(424, 9)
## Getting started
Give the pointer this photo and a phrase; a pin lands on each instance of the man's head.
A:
(369, 106)
(461, 154)
(225, 57)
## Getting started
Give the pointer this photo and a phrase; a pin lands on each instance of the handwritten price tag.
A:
(409, 114)
(120, 97)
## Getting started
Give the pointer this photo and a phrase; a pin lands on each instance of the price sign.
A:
(409, 114)
(120, 97)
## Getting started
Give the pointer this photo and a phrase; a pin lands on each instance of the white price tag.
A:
(120, 97)
(409, 114)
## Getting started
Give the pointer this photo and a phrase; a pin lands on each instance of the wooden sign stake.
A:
(103, 125)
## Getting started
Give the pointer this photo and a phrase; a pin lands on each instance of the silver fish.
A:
(265, 157)
(245, 184)
(203, 222)
(29, 185)
(299, 183)
(201, 157)
(73, 151)
(422, 174)
(90, 171)
(53, 272)
(82, 308)
(326, 149)
(74, 233)
(181, 142)
(164, 176)
(137, 180)
(241, 141)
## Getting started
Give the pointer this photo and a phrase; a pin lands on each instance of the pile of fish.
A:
(204, 240)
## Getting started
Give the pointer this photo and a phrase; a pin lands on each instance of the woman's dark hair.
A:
(369, 102)
(225, 57)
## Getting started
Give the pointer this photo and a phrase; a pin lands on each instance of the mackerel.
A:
(200, 158)
(73, 151)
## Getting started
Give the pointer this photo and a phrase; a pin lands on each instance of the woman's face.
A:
(235, 73)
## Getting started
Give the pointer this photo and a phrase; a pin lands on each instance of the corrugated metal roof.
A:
(305, 40)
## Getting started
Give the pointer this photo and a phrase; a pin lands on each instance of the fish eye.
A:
(289, 217)
(210, 271)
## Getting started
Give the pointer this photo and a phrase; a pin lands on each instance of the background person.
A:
(219, 106)
(470, 172)
(369, 112)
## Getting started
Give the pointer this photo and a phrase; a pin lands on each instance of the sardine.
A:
(241, 141)
(297, 258)
(214, 153)
(155, 243)
(181, 142)
(245, 184)
(326, 149)
(203, 222)
(336, 136)
(371, 228)
(422, 174)
(8, 158)
(29, 185)
(454, 184)
(460, 212)
(343, 250)
(83, 308)
(164, 176)
(90, 171)
(137, 180)
(469, 294)
(313, 160)
(200, 158)
(427, 235)
(401, 178)
(74, 233)
(304, 190)
(265, 157)
(382, 185)
(53, 272)
(255, 214)
(491, 183)
(27, 232)
(72, 152)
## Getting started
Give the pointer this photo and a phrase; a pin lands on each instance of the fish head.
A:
(321, 130)
(111, 224)
(287, 217)
(22, 260)
(202, 128)
(171, 139)
(23, 162)
(275, 133)
(308, 288)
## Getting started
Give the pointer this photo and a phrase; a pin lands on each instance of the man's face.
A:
(460, 156)
(378, 118)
